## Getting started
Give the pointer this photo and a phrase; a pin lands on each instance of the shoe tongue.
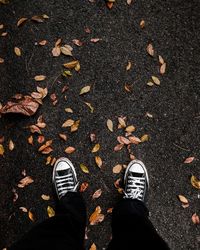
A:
(63, 172)
(133, 174)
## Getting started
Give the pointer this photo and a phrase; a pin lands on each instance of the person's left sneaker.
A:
(64, 177)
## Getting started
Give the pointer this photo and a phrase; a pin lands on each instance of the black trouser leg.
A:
(64, 231)
(132, 228)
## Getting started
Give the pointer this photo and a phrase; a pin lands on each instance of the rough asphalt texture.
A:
(173, 28)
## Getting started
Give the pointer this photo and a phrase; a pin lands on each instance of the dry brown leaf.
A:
(11, 145)
(24, 209)
(68, 110)
(156, 80)
(75, 126)
(70, 65)
(35, 129)
(66, 50)
(45, 197)
(134, 139)
(25, 182)
(129, 2)
(195, 182)
(63, 136)
(144, 138)
(1, 150)
(68, 123)
(109, 5)
(130, 129)
(150, 84)
(96, 148)
(31, 216)
(128, 87)
(53, 161)
(56, 51)
(42, 91)
(183, 200)
(43, 42)
(47, 150)
(117, 169)
(38, 19)
(77, 42)
(70, 150)
(98, 161)
(84, 168)
(150, 49)
(142, 24)
(40, 78)
(21, 21)
(95, 40)
(1, 26)
(161, 60)
(48, 160)
(50, 211)
(92, 137)
(110, 125)
(47, 144)
(129, 65)
(83, 187)
(122, 122)
(189, 160)
(118, 147)
(4, 34)
(195, 219)
(1, 60)
(93, 247)
(96, 217)
(109, 210)
(90, 106)
(123, 140)
(17, 51)
(26, 106)
(30, 140)
(163, 68)
(77, 67)
(97, 194)
(85, 90)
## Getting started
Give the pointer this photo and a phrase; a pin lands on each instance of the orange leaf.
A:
(189, 159)
(195, 219)
(69, 150)
(118, 147)
(96, 217)
(83, 187)
(98, 161)
(123, 140)
(31, 216)
(25, 182)
(117, 169)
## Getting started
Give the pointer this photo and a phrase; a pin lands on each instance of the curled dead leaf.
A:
(142, 24)
(68, 123)
(21, 21)
(118, 147)
(70, 65)
(63, 136)
(90, 106)
(31, 216)
(129, 65)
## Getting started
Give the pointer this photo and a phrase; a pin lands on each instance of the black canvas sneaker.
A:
(136, 181)
(64, 177)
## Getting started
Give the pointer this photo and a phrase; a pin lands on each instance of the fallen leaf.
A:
(87, 30)
(50, 212)
(110, 125)
(17, 51)
(84, 90)
(98, 161)
(189, 160)
(117, 183)
(90, 106)
(97, 194)
(63, 136)
(129, 65)
(183, 200)
(1, 26)
(77, 42)
(21, 21)
(25, 182)
(96, 217)
(128, 87)
(56, 51)
(77, 67)
(130, 129)
(95, 40)
(123, 140)
(109, 5)
(66, 51)
(156, 80)
(35, 129)
(4, 34)
(70, 65)
(42, 91)
(117, 169)
(1, 60)
(48, 160)
(68, 123)
(150, 49)
(121, 122)
(43, 42)
(67, 73)
(38, 19)
(109, 210)
(144, 138)
(132, 157)
(75, 126)
(24, 209)
(142, 24)
(30, 140)
(149, 115)
(150, 84)
(96, 148)
(47, 150)
(195, 219)
(83, 187)
(118, 147)
(11, 145)
(70, 150)
(53, 161)
(40, 78)
(84, 168)
(68, 110)
(31, 216)
(93, 247)
(163, 68)
(26, 106)
(1, 149)
(161, 60)
(45, 197)
(15, 194)
(129, 2)
(195, 182)
(134, 139)
(47, 144)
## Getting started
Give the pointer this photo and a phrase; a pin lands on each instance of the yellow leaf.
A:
(68, 123)
(70, 65)
(17, 51)
(1, 149)
(144, 138)
(195, 182)
(84, 168)
(98, 161)
(77, 67)
(96, 148)
(84, 90)
(156, 80)
(110, 125)
(40, 78)
(50, 211)
(90, 106)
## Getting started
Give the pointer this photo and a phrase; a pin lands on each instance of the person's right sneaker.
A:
(136, 181)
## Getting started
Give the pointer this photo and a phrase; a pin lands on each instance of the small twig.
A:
(188, 150)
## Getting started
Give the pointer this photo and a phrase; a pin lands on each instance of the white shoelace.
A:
(135, 187)
(67, 181)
